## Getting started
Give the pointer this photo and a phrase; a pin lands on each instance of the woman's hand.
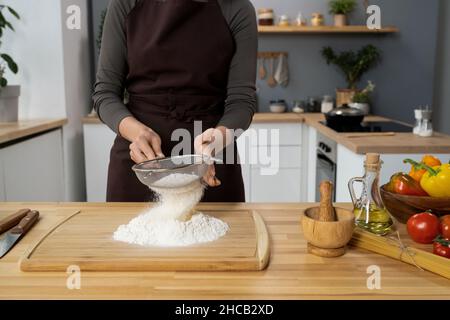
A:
(209, 143)
(145, 143)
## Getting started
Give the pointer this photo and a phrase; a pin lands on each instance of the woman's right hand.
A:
(145, 143)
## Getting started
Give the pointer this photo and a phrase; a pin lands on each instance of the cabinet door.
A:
(33, 169)
(285, 186)
(98, 140)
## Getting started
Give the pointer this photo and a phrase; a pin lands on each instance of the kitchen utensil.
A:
(371, 135)
(150, 172)
(11, 237)
(369, 209)
(12, 220)
(85, 239)
(278, 107)
(271, 82)
(406, 251)
(402, 207)
(262, 69)
(282, 72)
(344, 116)
(327, 229)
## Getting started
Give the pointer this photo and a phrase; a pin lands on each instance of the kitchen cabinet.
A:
(98, 140)
(32, 170)
(273, 162)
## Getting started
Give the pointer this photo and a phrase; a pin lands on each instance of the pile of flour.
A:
(168, 224)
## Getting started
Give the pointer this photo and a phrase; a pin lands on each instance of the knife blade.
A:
(11, 237)
(13, 220)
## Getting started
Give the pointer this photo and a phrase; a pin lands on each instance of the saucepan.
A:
(344, 116)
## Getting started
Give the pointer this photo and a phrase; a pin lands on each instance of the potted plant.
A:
(361, 99)
(354, 65)
(340, 9)
(9, 95)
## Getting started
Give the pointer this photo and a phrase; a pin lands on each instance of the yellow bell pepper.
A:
(436, 181)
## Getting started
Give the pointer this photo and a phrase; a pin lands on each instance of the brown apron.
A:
(179, 55)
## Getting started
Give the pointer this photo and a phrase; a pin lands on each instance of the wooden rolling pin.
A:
(326, 212)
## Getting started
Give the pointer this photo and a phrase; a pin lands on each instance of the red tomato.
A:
(423, 227)
(445, 227)
(441, 249)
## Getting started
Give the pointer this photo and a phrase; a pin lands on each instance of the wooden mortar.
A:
(328, 230)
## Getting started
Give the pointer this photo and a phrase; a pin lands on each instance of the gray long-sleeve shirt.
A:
(240, 103)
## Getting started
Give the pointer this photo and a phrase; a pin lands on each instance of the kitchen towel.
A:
(282, 73)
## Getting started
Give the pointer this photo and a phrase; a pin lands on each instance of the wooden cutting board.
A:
(85, 239)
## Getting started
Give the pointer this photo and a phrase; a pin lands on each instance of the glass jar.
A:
(327, 104)
(266, 17)
(284, 21)
(300, 21)
(317, 19)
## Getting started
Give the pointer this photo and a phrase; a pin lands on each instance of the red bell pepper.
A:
(404, 184)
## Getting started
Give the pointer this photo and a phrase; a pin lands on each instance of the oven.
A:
(325, 163)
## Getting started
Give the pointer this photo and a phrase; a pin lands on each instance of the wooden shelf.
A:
(324, 30)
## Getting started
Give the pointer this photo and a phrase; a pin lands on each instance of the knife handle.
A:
(13, 220)
(26, 223)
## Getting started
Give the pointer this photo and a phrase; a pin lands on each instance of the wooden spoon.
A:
(326, 212)
(271, 82)
(262, 69)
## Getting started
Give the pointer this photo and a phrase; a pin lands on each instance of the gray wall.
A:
(404, 79)
(442, 101)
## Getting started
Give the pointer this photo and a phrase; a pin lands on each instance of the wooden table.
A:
(292, 273)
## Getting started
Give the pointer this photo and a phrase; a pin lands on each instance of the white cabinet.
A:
(272, 162)
(32, 170)
(98, 140)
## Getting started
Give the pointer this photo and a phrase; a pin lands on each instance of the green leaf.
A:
(13, 12)
(3, 82)
(11, 64)
(9, 25)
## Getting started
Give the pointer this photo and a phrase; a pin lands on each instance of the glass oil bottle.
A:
(370, 213)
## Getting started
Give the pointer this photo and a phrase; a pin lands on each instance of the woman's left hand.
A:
(209, 143)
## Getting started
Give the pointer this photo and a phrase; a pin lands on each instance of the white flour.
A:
(164, 224)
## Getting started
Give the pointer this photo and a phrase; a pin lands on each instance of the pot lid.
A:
(346, 111)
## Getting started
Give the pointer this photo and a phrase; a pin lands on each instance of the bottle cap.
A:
(372, 158)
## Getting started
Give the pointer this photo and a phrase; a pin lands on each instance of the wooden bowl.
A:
(403, 207)
(328, 235)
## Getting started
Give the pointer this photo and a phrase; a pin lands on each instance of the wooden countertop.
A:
(292, 274)
(399, 143)
(10, 131)
(258, 118)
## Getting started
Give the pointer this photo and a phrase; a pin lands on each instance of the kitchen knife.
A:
(13, 220)
(11, 237)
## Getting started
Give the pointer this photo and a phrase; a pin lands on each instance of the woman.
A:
(180, 61)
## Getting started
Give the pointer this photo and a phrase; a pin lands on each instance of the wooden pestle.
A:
(326, 212)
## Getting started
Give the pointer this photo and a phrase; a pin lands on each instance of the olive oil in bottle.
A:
(370, 213)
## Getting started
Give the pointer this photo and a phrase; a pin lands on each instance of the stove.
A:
(381, 126)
